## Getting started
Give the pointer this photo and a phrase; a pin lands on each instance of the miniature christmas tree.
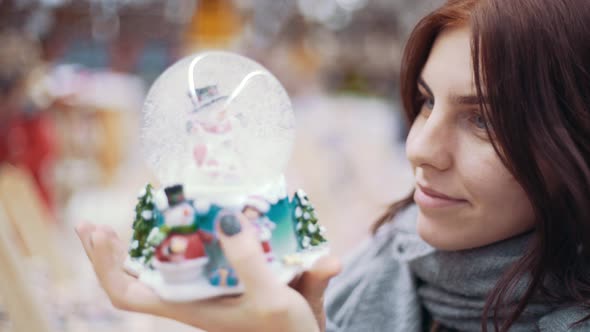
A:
(309, 232)
(143, 225)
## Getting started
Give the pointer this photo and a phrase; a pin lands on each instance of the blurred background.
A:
(73, 76)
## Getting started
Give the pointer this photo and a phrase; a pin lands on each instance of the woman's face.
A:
(467, 197)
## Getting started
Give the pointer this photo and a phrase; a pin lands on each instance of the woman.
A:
(497, 92)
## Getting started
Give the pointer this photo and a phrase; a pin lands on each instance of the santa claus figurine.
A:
(181, 256)
(255, 210)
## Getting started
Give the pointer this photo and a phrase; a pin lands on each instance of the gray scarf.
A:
(385, 285)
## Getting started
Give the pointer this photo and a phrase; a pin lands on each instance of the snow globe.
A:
(218, 133)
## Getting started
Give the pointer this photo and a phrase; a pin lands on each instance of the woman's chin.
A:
(443, 234)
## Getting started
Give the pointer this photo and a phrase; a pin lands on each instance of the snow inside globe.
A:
(219, 123)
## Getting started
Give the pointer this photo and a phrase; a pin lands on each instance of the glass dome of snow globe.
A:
(219, 123)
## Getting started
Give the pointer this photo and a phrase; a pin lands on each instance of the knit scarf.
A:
(389, 282)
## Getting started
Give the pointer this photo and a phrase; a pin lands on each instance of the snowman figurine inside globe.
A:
(218, 133)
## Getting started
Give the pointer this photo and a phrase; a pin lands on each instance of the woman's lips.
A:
(428, 198)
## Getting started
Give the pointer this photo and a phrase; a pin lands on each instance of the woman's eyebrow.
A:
(468, 100)
(458, 99)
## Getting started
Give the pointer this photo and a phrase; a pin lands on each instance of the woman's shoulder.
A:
(563, 320)
(381, 245)
(374, 289)
(368, 256)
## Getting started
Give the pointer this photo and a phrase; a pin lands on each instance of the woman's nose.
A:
(430, 142)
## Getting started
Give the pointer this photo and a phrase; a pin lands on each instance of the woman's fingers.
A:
(107, 254)
(84, 230)
(243, 250)
(314, 281)
(312, 284)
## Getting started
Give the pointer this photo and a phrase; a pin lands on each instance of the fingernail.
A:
(230, 225)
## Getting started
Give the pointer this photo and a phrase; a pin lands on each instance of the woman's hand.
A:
(266, 305)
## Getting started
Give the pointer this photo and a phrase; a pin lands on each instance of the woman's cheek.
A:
(499, 200)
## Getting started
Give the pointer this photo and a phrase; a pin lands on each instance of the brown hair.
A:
(532, 62)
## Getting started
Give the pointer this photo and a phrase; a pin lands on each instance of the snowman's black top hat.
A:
(174, 194)
(206, 96)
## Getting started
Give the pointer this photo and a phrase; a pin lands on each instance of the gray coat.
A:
(378, 289)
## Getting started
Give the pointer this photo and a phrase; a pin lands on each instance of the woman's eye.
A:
(479, 121)
(426, 101)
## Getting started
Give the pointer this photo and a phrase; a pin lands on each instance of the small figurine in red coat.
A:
(255, 210)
